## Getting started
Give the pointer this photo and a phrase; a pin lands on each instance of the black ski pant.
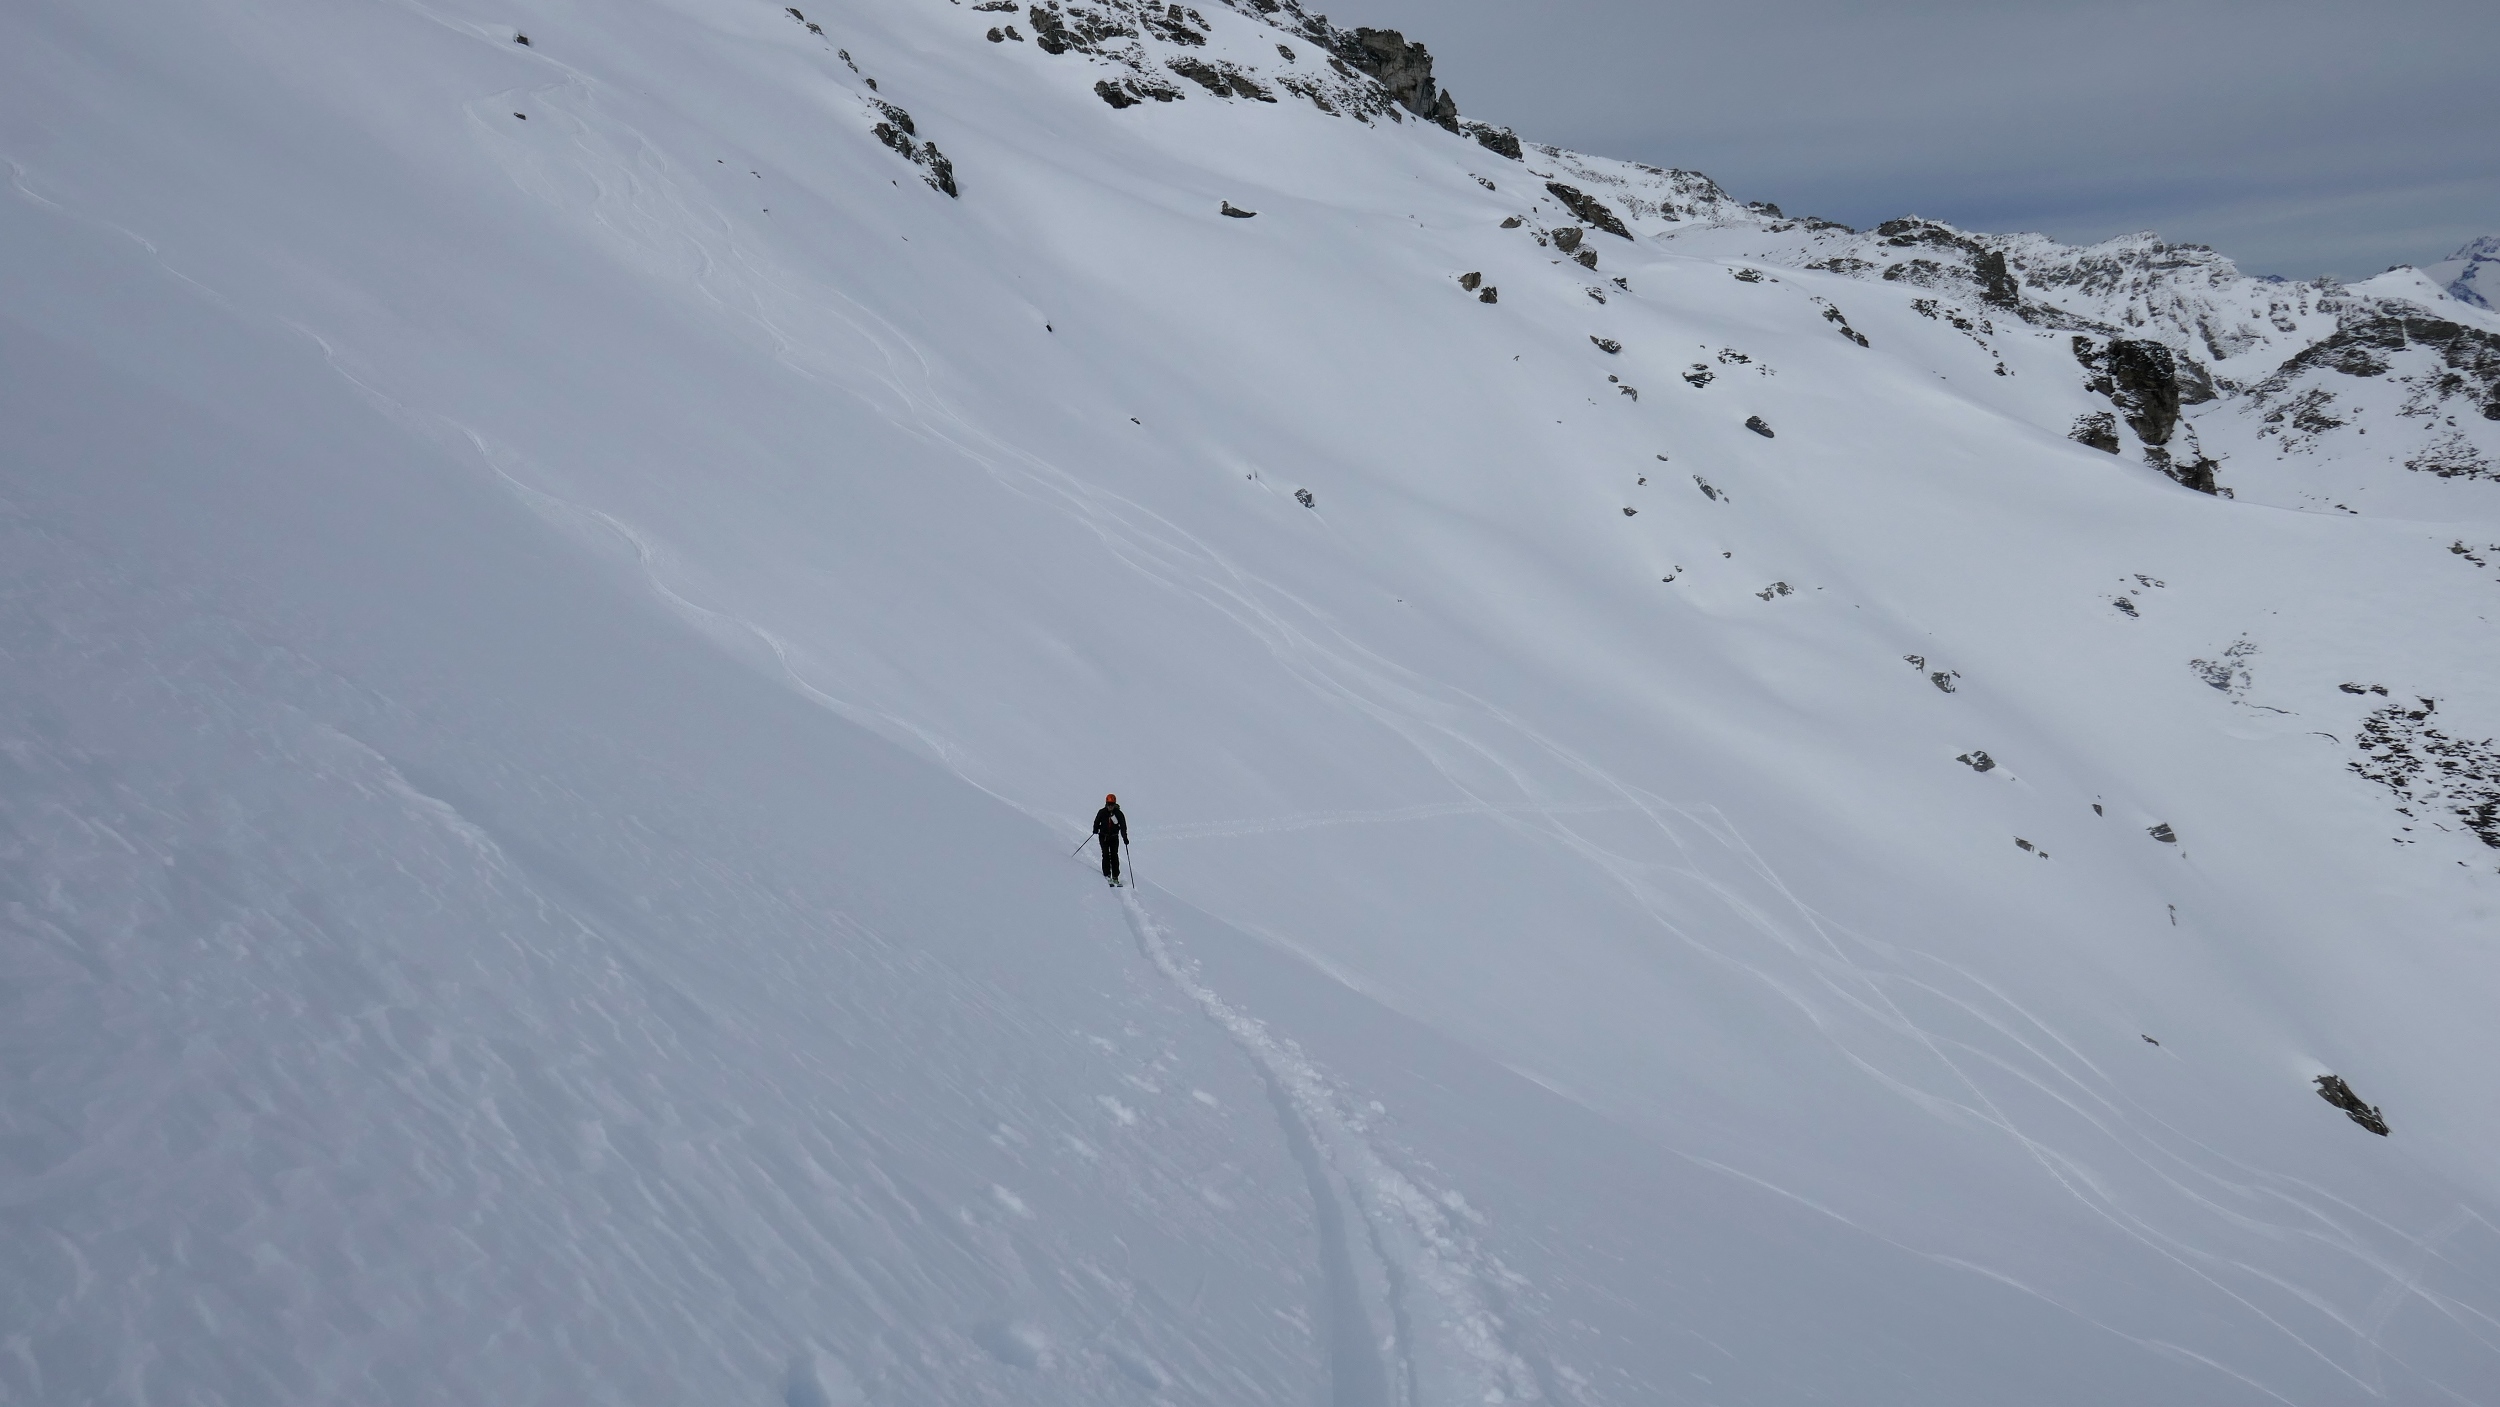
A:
(1109, 845)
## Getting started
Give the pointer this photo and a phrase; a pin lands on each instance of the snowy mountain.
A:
(2472, 274)
(1717, 819)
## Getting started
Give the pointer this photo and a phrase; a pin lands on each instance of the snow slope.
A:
(2472, 274)
(565, 604)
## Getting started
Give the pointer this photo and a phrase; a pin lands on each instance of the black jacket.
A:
(1111, 825)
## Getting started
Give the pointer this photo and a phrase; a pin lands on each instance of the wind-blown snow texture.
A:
(564, 604)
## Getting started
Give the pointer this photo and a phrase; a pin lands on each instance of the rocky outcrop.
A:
(1588, 208)
(1404, 69)
(1223, 80)
(2140, 378)
(2097, 429)
(897, 133)
(1501, 141)
(2423, 766)
(2333, 1090)
(2469, 357)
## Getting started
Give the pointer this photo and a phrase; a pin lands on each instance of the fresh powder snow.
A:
(1726, 809)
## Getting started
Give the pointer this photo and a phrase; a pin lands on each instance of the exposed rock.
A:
(1113, 94)
(1471, 281)
(2197, 474)
(1236, 212)
(1628, 512)
(2333, 1090)
(1699, 376)
(1944, 679)
(1404, 70)
(2230, 673)
(2163, 833)
(1568, 238)
(1587, 259)
(2421, 764)
(1219, 79)
(1747, 275)
(1303, 497)
(2098, 428)
(1759, 426)
(2140, 378)
(1500, 141)
(1607, 345)
(1833, 315)
(2452, 456)
(1589, 209)
(1777, 588)
(896, 134)
(1977, 761)
(1511, 222)
(2360, 347)
(1707, 491)
(941, 170)
(1490, 295)
(1997, 284)
(2125, 605)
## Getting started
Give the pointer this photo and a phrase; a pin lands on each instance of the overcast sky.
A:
(2300, 137)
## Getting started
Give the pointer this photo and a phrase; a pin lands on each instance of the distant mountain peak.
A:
(2472, 274)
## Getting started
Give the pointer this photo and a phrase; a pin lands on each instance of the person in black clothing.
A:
(1110, 833)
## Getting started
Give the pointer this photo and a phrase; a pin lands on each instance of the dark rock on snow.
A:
(1607, 345)
(1303, 497)
(1568, 238)
(1977, 761)
(1588, 208)
(1404, 69)
(2141, 378)
(1236, 212)
(2333, 1090)
(1471, 281)
(1756, 424)
(2470, 357)
(2098, 429)
(1490, 295)
(1500, 141)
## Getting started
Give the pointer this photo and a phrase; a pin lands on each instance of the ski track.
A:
(1835, 987)
(1447, 1345)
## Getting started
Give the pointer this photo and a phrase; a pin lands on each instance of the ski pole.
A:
(1132, 863)
(1080, 845)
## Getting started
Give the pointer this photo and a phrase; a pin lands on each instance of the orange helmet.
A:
(1111, 800)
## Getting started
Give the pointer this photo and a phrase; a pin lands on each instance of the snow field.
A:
(574, 1002)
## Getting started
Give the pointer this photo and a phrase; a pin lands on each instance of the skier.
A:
(1110, 833)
